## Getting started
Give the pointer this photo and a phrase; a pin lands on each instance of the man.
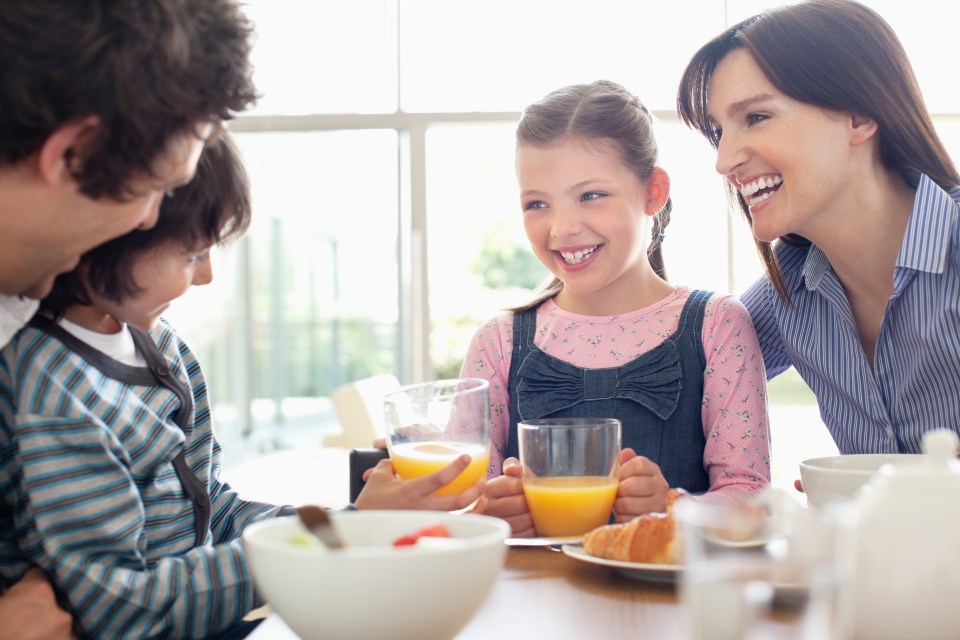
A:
(104, 107)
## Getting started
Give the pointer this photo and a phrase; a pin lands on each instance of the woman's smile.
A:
(756, 191)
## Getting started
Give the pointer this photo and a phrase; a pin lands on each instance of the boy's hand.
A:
(503, 498)
(643, 489)
(384, 490)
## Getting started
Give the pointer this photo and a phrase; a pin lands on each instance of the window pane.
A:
(325, 57)
(929, 45)
(503, 54)
(335, 239)
(695, 250)
(479, 259)
(323, 272)
(949, 131)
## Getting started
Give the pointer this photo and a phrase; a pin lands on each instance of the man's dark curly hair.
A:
(149, 69)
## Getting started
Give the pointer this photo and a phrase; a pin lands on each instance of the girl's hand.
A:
(503, 498)
(643, 489)
(384, 490)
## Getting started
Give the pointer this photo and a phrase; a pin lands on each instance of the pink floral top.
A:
(735, 423)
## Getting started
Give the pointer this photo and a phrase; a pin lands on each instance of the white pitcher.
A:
(907, 547)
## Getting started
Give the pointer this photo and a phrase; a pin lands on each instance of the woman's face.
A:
(796, 165)
(586, 214)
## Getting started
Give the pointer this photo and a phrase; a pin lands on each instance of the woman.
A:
(828, 149)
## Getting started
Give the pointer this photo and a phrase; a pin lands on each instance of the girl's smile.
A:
(579, 258)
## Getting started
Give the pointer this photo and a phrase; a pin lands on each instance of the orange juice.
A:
(414, 459)
(569, 505)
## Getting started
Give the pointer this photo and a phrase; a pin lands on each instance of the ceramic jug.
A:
(906, 578)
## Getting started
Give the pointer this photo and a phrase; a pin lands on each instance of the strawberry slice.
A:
(432, 531)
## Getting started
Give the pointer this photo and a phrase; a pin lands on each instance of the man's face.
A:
(50, 227)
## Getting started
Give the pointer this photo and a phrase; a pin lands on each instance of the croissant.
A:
(652, 538)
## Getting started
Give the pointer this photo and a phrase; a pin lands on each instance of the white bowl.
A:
(372, 589)
(839, 478)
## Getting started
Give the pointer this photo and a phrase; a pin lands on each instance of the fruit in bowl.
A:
(839, 478)
(374, 588)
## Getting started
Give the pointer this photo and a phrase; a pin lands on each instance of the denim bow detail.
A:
(549, 385)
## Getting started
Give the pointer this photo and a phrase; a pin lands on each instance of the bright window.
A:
(387, 224)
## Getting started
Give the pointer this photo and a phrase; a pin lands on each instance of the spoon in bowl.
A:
(318, 522)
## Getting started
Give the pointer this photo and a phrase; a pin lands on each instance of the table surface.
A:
(542, 593)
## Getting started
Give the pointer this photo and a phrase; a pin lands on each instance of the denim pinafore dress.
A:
(657, 397)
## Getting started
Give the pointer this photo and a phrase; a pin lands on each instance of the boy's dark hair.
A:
(149, 69)
(212, 208)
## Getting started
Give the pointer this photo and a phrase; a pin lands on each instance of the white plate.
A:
(752, 543)
(543, 542)
(663, 573)
(784, 593)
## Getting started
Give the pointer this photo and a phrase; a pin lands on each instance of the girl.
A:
(828, 149)
(609, 336)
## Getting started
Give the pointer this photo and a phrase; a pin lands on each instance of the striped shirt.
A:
(90, 494)
(915, 383)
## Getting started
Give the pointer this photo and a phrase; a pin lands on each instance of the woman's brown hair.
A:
(838, 55)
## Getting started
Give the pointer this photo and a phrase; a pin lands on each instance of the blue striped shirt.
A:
(915, 383)
(90, 494)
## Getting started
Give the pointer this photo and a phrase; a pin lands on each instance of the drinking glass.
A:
(750, 567)
(432, 423)
(570, 472)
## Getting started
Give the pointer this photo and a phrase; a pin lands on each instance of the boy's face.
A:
(47, 229)
(162, 274)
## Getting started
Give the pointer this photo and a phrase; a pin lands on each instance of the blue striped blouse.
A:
(915, 383)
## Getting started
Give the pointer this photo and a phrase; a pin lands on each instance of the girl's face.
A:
(586, 215)
(796, 164)
(163, 274)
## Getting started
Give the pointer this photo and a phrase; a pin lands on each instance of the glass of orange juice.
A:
(570, 472)
(432, 423)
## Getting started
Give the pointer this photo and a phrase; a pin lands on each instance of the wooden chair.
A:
(359, 409)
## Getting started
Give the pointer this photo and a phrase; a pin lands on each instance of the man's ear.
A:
(658, 190)
(62, 154)
(862, 128)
